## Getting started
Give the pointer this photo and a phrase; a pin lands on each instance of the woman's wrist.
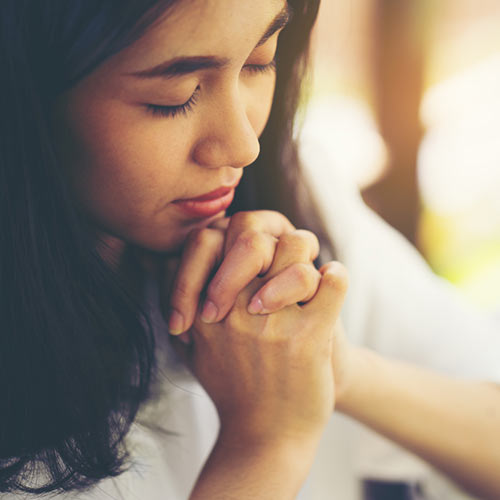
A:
(290, 455)
(233, 439)
(242, 468)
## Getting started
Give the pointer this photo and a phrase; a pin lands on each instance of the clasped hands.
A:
(260, 321)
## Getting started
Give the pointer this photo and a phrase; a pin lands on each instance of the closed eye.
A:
(261, 68)
(184, 109)
(173, 111)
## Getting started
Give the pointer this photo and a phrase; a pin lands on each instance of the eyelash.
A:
(173, 111)
(261, 68)
(184, 109)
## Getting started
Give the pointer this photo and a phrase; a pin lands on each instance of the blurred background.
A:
(409, 95)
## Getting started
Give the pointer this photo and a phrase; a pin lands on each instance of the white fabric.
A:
(395, 304)
(398, 307)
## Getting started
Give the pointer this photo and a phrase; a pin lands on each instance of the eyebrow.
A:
(185, 65)
(278, 23)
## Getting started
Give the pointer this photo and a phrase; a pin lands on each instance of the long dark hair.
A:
(76, 350)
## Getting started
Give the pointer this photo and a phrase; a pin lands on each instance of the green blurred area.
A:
(470, 263)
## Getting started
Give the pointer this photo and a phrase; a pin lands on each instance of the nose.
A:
(229, 138)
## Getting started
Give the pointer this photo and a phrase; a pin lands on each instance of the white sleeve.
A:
(395, 304)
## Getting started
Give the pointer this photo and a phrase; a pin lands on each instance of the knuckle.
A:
(301, 274)
(203, 237)
(287, 240)
(251, 241)
(305, 241)
(221, 224)
(295, 243)
(336, 276)
(246, 219)
(305, 234)
(278, 216)
(310, 239)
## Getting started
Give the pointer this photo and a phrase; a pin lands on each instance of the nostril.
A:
(237, 148)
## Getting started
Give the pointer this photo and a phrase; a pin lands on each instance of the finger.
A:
(251, 255)
(202, 252)
(297, 246)
(297, 283)
(327, 302)
(266, 221)
(168, 270)
(222, 223)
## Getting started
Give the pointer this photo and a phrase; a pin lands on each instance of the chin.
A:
(168, 242)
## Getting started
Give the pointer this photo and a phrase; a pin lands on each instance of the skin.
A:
(263, 359)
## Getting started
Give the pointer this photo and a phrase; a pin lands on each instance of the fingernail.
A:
(176, 323)
(255, 306)
(210, 312)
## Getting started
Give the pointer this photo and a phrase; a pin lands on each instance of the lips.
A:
(209, 204)
(214, 195)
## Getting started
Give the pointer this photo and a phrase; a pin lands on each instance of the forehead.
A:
(203, 27)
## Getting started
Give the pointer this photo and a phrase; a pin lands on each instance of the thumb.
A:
(332, 289)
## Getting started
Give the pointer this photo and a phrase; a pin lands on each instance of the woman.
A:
(124, 137)
(125, 129)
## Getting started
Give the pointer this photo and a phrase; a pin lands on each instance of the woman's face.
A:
(175, 116)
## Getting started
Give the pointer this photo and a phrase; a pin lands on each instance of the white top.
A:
(395, 305)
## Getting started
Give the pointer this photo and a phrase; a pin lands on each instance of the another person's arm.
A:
(453, 424)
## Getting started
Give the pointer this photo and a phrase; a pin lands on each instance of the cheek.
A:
(124, 168)
(120, 152)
